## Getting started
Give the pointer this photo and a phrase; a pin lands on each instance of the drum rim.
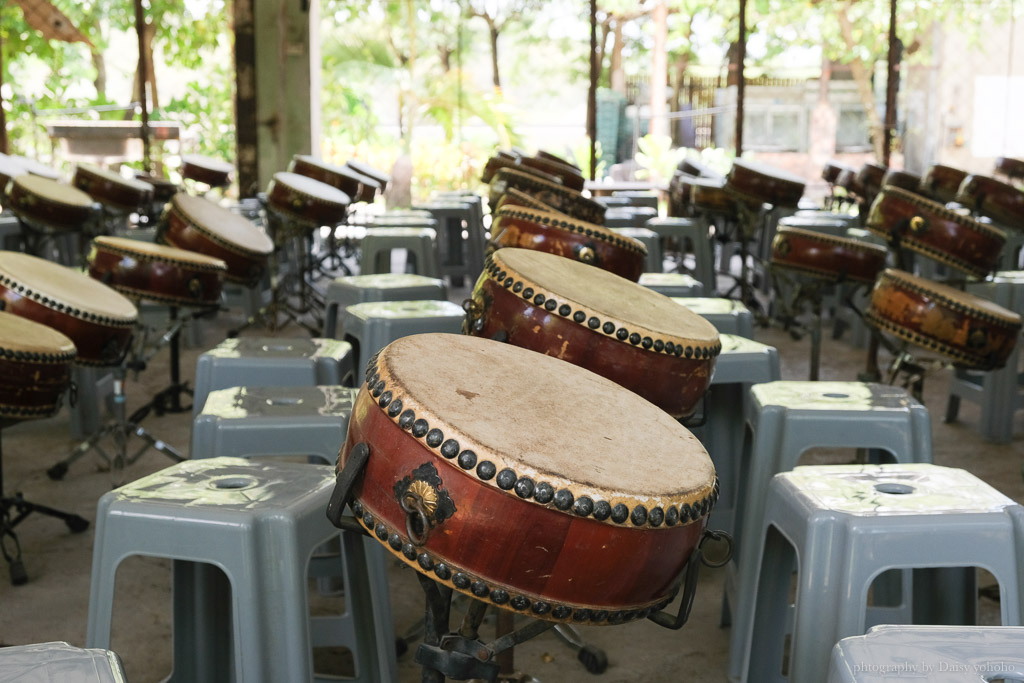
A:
(565, 192)
(939, 210)
(938, 291)
(83, 204)
(501, 273)
(316, 162)
(139, 186)
(206, 232)
(766, 170)
(409, 414)
(532, 202)
(279, 180)
(562, 221)
(206, 263)
(68, 352)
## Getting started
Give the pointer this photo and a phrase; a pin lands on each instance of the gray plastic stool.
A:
(998, 393)
(727, 315)
(247, 422)
(695, 232)
(842, 526)
(59, 661)
(941, 654)
(272, 361)
(655, 262)
(672, 284)
(419, 243)
(342, 292)
(94, 399)
(638, 198)
(628, 216)
(371, 326)
(241, 536)
(460, 257)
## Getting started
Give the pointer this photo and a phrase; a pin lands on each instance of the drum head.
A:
(21, 334)
(608, 297)
(37, 168)
(222, 223)
(160, 252)
(116, 178)
(322, 192)
(52, 191)
(538, 415)
(78, 292)
(208, 163)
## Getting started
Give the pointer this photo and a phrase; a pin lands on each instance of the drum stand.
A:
(460, 654)
(746, 229)
(14, 509)
(801, 291)
(44, 241)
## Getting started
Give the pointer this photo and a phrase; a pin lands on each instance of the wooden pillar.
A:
(3, 116)
(246, 149)
(890, 87)
(140, 30)
(592, 92)
(741, 57)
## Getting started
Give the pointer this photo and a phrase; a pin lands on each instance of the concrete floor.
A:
(53, 605)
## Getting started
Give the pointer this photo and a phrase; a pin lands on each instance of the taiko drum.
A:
(307, 201)
(993, 198)
(111, 189)
(35, 368)
(557, 196)
(755, 181)
(827, 257)
(49, 203)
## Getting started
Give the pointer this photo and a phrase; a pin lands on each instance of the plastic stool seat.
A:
(846, 525)
(420, 243)
(258, 523)
(345, 291)
(727, 315)
(942, 654)
(650, 239)
(672, 284)
(371, 326)
(272, 361)
(251, 422)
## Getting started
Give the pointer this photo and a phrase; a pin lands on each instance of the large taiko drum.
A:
(910, 182)
(754, 181)
(35, 368)
(869, 179)
(204, 169)
(557, 196)
(199, 225)
(942, 183)
(562, 235)
(972, 332)
(47, 203)
(163, 189)
(1010, 167)
(637, 338)
(112, 190)
(827, 257)
(710, 195)
(307, 201)
(847, 179)
(934, 231)
(993, 198)
(368, 187)
(156, 272)
(830, 172)
(567, 175)
(340, 177)
(96, 318)
(365, 169)
(526, 482)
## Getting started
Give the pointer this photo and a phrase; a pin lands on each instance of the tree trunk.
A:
(863, 80)
(616, 73)
(494, 53)
(101, 73)
(659, 71)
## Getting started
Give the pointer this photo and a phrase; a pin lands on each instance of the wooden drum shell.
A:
(554, 195)
(936, 232)
(212, 172)
(827, 257)
(1011, 167)
(624, 257)
(763, 183)
(336, 176)
(307, 207)
(673, 383)
(128, 195)
(993, 198)
(942, 183)
(567, 175)
(49, 211)
(918, 311)
(629, 571)
(143, 276)
(35, 371)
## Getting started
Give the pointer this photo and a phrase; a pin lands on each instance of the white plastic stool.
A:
(371, 326)
(247, 422)
(845, 525)
(696, 232)
(258, 524)
(342, 292)
(419, 243)
(272, 361)
(59, 661)
(655, 261)
(727, 315)
(672, 284)
(941, 654)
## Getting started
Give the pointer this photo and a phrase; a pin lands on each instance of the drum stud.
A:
(467, 460)
(564, 310)
(373, 379)
(620, 513)
(409, 550)
(384, 399)
(550, 304)
(561, 612)
(508, 282)
(381, 531)
(528, 293)
(581, 615)
(480, 589)
(656, 517)
(544, 493)
(517, 287)
(460, 580)
(638, 516)
(688, 351)
(583, 506)
(579, 316)
(563, 499)
(450, 448)
(395, 407)
(608, 327)
(506, 479)
(616, 618)
(357, 509)
(395, 541)
(442, 571)
(602, 510)
(524, 487)
(593, 323)
(647, 342)
(685, 513)
(634, 339)
(671, 516)
(406, 419)
(499, 596)
(378, 389)
(434, 437)
(541, 607)
(367, 520)
(520, 602)
(420, 428)
(622, 334)
(538, 300)
(425, 561)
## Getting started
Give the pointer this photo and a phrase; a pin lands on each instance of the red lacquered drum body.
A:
(639, 339)
(1013, 168)
(558, 196)
(508, 160)
(869, 178)
(930, 229)
(766, 184)
(941, 183)
(306, 200)
(972, 332)
(142, 270)
(907, 181)
(213, 172)
(1000, 201)
(199, 225)
(95, 317)
(163, 189)
(381, 177)
(827, 257)
(340, 177)
(561, 235)
(543, 154)
(112, 189)
(847, 179)
(830, 173)
(545, 489)
(516, 198)
(48, 202)
(35, 368)
(567, 175)
(711, 195)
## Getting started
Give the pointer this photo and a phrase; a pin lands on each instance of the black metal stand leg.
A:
(437, 618)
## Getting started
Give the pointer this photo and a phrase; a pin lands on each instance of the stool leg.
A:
(202, 640)
(766, 637)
